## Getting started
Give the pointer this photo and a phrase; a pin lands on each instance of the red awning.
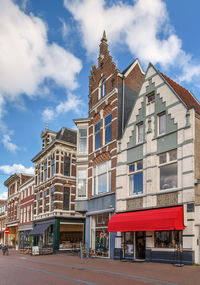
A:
(148, 220)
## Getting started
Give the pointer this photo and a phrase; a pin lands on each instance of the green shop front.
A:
(58, 234)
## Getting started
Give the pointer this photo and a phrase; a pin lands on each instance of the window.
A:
(24, 214)
(140, 133)
(168, 169)
(103, 88)
(108, 128)
(52, 166)
(97, 131)
(82, 174)
(45, 200)
(136, 177)
(162, 123)
(102, 178)
(66, 198)
(83, 140)
(39, 178)
(67, 166)
(52, 198)
(151, 98)
(45, 171)
(168, 239)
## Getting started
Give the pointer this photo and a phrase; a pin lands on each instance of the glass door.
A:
(140, 245)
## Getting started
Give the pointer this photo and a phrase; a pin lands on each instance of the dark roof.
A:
(189, 100)
(125, 70)
(67, 135)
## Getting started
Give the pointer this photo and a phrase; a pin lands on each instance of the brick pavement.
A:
(67, 269)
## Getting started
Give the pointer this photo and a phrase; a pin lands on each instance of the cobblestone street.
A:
(66, 269)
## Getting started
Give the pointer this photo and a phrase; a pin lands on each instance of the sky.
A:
(47, 49)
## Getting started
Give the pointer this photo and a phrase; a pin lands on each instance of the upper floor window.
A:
(102, 178)
(52, 199)
(168, 169)
(97, 132)
(108, 128)
(52, 166)
(66, 198)
(82, 175)
(82, 140)
(151, 98)
(103, 88)
(39, 177)
(67, 166)
(162, 123)
(45, 171)
(136, 177)
(140, 133)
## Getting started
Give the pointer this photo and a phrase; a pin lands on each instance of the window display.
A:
(100, 235)
(168, 239)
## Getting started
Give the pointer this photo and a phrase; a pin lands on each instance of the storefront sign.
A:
(35, 250)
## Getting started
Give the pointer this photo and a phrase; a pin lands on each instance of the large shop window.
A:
(67, 166)
(82, 174)
(102, 178)
(83, 140)
(168, 169)
(136, 177)
(66, 198)
(168, 239)
(97, 132)
(108, 128)
(100, 235)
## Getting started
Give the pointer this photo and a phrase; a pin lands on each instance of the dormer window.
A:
(102, 88)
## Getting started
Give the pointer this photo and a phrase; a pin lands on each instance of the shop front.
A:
(100, 235)
(151, 235)
(12, 237)
(71, 235)
(25, 240)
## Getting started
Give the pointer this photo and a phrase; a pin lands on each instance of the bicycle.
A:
(5, 250)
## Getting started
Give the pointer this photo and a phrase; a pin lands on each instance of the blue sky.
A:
(47, 49)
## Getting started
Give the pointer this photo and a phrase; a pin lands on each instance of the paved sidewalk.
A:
(95, 271)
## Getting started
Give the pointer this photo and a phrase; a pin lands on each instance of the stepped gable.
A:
(67, 135)
(189, 100)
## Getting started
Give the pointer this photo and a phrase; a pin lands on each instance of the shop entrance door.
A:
(140, 245)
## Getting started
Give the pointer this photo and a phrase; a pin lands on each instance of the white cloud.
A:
(143, 26)
(11, 169)
(6, 140)
(72, 103)
(65, 28)
(4, 195)
(26, 57)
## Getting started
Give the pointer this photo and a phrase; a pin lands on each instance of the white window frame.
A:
(106, 126)
(79, 138)
(141, 124)
(131, 173)
(102, 88)
(97, 173)
(168, 162)
(86, 179)
(159, 117)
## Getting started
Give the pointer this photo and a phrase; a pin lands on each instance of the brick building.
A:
(26, 194)
(3, 216)
(13, 183)
(111, 96)
(56, 224)
(158, 175)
